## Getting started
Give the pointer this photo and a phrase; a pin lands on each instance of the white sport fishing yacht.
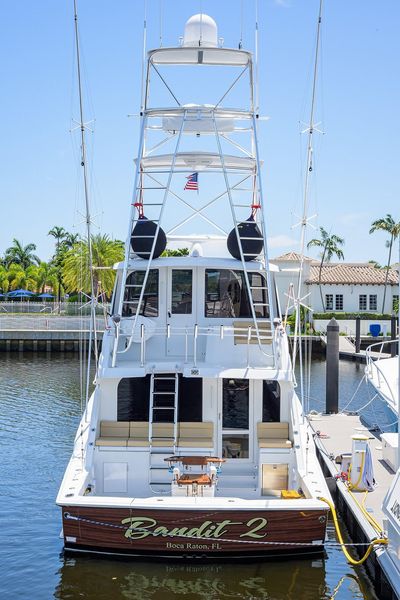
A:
(194, 442)
(382, 372)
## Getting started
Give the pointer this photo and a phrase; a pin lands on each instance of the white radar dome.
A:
(200, 30)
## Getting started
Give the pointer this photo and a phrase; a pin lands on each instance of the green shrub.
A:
(341, 316)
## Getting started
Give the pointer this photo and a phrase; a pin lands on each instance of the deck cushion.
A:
(111, 441)
(194, 434)
(275, 444)
(117, 429)
(273, 435)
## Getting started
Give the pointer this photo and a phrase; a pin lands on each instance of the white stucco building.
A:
(346, 287)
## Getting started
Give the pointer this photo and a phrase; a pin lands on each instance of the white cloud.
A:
(281, 241)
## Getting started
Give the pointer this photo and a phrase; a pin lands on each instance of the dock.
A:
(45, 333)
(333, 437)
(347, 348)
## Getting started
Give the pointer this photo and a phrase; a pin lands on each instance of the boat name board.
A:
(157, 531)
(142, 527)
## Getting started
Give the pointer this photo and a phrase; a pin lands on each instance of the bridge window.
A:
(133, 288)
(181, 291)
(226, 295)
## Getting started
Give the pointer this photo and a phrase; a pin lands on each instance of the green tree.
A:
(76, 271)
(4, 283)
(179, 252)
(70, 239)
(18, 277)
(59, 234)
(21, 255)
(330, 247)
(388, 225)
(374, 264)
(47, 275)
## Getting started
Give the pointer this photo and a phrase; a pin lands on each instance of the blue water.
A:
(354, 393)
(39, 413)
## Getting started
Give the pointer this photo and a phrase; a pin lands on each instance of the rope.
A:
(354, 395)
(70, 517)
(351, 560)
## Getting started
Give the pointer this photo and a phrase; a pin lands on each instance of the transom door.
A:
(236, 420)
(180, 312)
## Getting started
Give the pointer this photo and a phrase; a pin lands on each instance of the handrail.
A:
(220, 331)
(373, 364)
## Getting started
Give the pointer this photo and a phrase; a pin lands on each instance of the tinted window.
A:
(190, 406)
(133, 287)
(133, 396)
(271, 401)
(235, 410)
(181, 291)
(226, 294)
(133, 399)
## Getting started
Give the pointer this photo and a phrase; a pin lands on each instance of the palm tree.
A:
(70, 239)
(374, 264)
(389, 225)
(330, 247)
(3, 279)
(59, 234)
(47, 276)
(21, 255)
(18, 277)
(76, 271)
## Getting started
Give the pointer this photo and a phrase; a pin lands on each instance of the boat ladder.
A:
(163, 427)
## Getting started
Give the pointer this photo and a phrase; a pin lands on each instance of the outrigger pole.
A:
(298, 302)
(82, 127)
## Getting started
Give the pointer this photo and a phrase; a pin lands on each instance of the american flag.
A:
(192, 182)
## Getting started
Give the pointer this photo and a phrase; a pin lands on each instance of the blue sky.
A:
(356, 163)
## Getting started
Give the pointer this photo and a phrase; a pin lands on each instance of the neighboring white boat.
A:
(382, 372)
(194, 442)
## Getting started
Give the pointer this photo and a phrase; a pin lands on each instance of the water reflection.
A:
(39, 413)
(94, 578)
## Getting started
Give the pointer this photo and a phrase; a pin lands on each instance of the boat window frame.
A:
(143, 310)
(233, 299)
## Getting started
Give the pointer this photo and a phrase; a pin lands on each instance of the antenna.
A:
(144, 54)
(257, 93)
(82, 127)
(304, 221)
(161, 23)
